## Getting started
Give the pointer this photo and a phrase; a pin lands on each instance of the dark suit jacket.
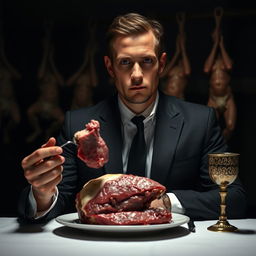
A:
(184, 136)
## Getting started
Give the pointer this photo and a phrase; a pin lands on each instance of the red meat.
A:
(119, 199)
(150, 216)
(92, 149)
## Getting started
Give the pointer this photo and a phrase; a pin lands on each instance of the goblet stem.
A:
(223, 194)
(222, 224)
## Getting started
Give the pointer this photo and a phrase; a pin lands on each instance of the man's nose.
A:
(137, 74)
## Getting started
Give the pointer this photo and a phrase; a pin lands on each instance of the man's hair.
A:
(134, 24)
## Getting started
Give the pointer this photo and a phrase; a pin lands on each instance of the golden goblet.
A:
(223, 170)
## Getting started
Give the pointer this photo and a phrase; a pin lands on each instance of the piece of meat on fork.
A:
(92, 149)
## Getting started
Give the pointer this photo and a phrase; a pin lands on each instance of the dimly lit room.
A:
(52, 61)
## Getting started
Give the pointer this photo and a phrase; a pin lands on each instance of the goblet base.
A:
(222, 226)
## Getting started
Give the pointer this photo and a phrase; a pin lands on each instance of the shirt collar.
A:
(127, 114)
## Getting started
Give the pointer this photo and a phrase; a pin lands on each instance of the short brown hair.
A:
(133, 24)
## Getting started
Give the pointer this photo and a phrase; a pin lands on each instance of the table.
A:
(54, 239)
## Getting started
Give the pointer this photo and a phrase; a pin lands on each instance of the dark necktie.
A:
(138, 152)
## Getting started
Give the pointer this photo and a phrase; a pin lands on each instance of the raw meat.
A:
(92, 149)
(150, 216)
(120, 199)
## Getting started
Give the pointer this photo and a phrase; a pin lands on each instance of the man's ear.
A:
(108, 65)
(162, 62)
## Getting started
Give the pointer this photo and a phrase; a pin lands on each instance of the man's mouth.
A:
(137, 87)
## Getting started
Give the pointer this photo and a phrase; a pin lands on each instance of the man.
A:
(179, 135)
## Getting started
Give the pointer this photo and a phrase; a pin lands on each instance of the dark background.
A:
(23, 31)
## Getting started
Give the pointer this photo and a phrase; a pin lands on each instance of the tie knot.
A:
(138, 120)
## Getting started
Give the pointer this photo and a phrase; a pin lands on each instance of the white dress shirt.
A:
(129, 130)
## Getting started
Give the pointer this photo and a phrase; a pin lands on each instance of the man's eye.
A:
(125, 62)
(148, 60)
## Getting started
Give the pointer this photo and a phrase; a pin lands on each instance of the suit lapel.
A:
(169, 123)
(111, 133)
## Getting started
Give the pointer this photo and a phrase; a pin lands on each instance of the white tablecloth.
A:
(54, 239)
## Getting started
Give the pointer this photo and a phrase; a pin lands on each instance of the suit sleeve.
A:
(204, 202)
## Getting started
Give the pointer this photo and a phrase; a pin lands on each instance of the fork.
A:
(67, 143)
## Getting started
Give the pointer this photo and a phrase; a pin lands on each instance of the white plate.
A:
(71, 220)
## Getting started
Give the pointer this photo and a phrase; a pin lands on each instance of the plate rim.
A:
(69, 218)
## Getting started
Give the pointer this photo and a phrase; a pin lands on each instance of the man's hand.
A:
(163, 202)
(43, 170)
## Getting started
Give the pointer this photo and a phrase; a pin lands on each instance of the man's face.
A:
(136, 69)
